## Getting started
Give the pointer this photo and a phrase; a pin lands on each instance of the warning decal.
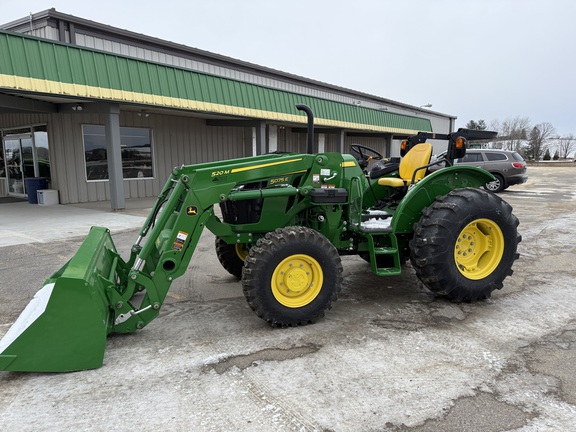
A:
(180, 240)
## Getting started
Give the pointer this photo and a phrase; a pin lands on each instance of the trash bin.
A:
(33, 184)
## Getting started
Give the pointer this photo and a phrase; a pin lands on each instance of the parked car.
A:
(508, 167)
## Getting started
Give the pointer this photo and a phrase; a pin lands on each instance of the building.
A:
(105, 113)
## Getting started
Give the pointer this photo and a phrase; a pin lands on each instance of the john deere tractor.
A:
(286, 219)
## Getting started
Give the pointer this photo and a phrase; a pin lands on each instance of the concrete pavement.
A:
(23, 223)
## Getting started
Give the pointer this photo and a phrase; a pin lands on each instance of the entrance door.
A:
(26, 156)
(15, 165)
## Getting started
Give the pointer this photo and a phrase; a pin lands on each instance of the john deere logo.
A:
(191, 210)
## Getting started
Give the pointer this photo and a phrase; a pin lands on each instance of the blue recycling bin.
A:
(34, 184)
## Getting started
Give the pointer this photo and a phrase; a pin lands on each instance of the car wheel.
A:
(497, 185)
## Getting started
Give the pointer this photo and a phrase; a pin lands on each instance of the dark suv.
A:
(508, 167)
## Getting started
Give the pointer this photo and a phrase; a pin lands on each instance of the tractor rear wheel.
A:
(465, 244)
(292, 276)
(231, 256)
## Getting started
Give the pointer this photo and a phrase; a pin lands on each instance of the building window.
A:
(136, 144)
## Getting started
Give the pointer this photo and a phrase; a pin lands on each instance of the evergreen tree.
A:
(531, 151)
(479, 125)
(556, 155)
(547, 156)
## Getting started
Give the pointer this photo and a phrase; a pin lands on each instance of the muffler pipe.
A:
(310, 130)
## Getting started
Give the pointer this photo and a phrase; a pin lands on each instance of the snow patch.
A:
(215, 359)
(377, 223)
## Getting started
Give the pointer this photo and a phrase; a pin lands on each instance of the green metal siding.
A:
(27, 57)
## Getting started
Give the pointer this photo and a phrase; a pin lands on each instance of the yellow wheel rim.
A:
(242, 251)
(479, 249)
(297, 280)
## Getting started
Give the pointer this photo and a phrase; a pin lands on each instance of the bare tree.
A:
(546, 130)
(514, 132)
(496, 125)
(566, 145)
(539, 137)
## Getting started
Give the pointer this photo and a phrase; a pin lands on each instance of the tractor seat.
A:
(417, 157)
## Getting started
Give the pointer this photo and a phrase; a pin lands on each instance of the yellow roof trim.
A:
(80, 90)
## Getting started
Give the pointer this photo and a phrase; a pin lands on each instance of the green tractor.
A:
(283, 222)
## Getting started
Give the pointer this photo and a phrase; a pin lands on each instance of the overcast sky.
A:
(475, 59)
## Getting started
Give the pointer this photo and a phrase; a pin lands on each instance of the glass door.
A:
(26, 155)
(14, 166)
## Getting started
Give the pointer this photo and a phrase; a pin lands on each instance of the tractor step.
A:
(384, 261)
(385, 251)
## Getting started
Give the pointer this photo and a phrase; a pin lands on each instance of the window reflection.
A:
(42, 153)
(136, 150)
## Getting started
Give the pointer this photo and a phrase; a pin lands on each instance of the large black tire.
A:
(292, 276)
(465, 244)
(231, 256)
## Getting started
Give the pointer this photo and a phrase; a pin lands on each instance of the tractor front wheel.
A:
(291, 276)
(231, 256)
(465, 244)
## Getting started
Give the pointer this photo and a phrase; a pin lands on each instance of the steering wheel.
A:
(365, 154)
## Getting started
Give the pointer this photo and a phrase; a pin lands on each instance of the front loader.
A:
(284, 221)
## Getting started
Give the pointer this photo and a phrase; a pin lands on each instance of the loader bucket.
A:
(64, 327)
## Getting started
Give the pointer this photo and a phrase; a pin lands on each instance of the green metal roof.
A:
(38, 65)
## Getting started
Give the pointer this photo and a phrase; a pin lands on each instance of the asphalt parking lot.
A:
(389, 356)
